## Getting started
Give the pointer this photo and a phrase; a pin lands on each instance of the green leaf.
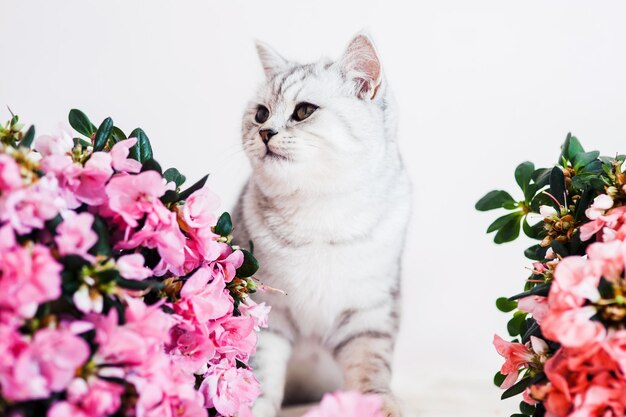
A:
(151, 165)
(224, 226)
(583, 204)
(523, 174)
(505, 305)
(173, 175)
(541, 177)
(103, 245)
(531, 253)
(117, 134)
(81, 123)
(514, 326)
(29, 137)
(535, 231)
(539, 200)
(102, 134)
(170, 196)
(529, 192)
(540, 289)
(571, 147)
(132, 284)
(250, 265)
(508, 232)
(195, 187)
(493, 200)
(526, 408)
(498, 379)
(559, 248)
(516, 389)
(503, 220)
(557, 185)
(583, 159)
(142, 151)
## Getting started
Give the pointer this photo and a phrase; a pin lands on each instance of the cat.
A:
(327, 207)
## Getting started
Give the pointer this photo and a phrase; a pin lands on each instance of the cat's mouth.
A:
(271, 155)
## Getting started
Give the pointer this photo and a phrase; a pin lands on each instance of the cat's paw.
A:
(263, 407)
(391, 407)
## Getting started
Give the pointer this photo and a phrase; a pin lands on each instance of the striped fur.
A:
(328, 219)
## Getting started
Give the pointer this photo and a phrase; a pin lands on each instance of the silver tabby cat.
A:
(327, 207)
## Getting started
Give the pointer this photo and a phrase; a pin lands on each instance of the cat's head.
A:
(315, 126)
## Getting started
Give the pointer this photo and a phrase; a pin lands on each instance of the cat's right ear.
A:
(271, 60)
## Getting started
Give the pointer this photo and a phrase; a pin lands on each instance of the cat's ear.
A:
(361, 64)
(271, 60)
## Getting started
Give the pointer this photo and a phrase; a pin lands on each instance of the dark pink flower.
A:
(202, 300)
(228, 388)
(516, 356)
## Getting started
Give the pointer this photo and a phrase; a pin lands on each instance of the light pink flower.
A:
(599, 206)
(258, 312)
(228, 388)
(75, 236)
(235, 337)
(59, 144)
(575, 280)
(29, 276)
(121, 161)
(203, 301)
(348, 404)
(516, 356)
(191, 347)
(93, 178)
(134, 196)
(132, 267)
(96, 397)
(10, 178)
(199, 208)
(608, 259)
(573, 328)
(535, 305)
(29, 208)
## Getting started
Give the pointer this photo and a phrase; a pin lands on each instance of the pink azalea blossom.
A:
(235, 337)
(348, 404)
(134, 196)
(93, 178)
(228, 388)
(535, 305)
(599, 206)
(119, 155)
(75, 235)
(29, 208)
(132, 267)
(10, 177)
(202, 300)
(258, 312)
(516, 356)
(612, 224)
(573, 327)
(199, 208)
(29, 276)
(191, 347)
(575, 280)
(59, 144)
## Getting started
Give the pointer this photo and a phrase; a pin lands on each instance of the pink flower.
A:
(191, 348)
(75, 236)
(575, 280)
(132, 267)
(29, 208)
(535, 305)
(28, 277)
(607, 258)
(119, 154)
(227, 263)
(599, 206)
(516, 356)
(235, 337)
(228, 388)
(93, 178)
(258, 312)
(203, 301)
(573, 328)
(93, 398)
(134, 196)
(10, 178)
(612, 225)
(199, 208)
(60, 144)
(348, 404)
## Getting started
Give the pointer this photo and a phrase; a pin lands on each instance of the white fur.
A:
(328, 221)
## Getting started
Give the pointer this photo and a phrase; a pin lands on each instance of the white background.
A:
(482, 86)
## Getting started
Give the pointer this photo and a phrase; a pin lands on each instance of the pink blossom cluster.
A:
(175, 345)
(583, 316)
(348, 404)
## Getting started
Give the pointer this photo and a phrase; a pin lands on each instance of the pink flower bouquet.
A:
(568, 355)
(120, 293)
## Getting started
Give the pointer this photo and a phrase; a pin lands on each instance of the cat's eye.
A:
(303, 110)
(262, 114)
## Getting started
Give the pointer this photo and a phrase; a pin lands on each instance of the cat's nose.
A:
(266, 134)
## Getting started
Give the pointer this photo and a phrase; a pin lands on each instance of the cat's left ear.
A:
(271, 60)
(361, 64)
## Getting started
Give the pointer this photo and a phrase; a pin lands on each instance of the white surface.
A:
(481, 85)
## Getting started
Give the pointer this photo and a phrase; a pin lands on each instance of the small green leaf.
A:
(27, 139)
(132, 284)
(571, 147)
(170, 196)
(531, 253)
(117, 134)
(498, 379)
(526, 408)
(195, 187)
(516, 389)
(224, 226)
(493, 200)
(103, 245)
(508, 232)
(557, 185)
(102, 134)
(505, 305)
(249, 267)
(173, 175)
(540, 289)
(584, 159)
(523, 174)
(500, 222)
(535, 231)
(559, 248)
(541, 177)
(151, 165)
(81, 123)
(514, 326)
(142, 151)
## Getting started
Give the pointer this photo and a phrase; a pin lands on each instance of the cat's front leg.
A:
(365, 359)
(270, 367)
